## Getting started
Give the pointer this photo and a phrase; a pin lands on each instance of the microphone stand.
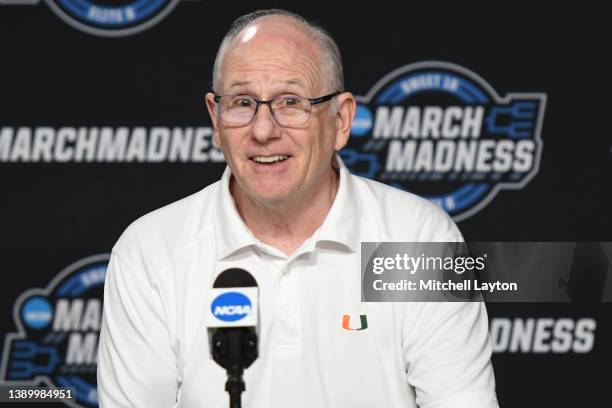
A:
(235, 384)
(234, 349)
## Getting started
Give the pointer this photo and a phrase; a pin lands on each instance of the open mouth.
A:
(275, 158)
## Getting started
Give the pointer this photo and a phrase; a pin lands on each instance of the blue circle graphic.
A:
(362, 122)
(37, 313)
(94, 13)
(231, 306)
(466, 91)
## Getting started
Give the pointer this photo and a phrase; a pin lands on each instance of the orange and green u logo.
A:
(346, 322)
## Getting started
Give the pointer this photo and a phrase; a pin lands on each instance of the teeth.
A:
(269, 159)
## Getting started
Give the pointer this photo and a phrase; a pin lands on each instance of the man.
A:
(287, 210)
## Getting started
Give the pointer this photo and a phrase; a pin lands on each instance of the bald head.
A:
(280, 28)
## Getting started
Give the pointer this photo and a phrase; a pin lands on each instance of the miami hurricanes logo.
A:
(346, 322)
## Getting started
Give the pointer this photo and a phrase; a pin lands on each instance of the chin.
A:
(270, 190)
(271, 197)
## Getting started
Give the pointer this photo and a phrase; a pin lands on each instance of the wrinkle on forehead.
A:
(279, 50)
(298, 72)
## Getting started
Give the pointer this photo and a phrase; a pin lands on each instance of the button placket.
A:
(289, 324)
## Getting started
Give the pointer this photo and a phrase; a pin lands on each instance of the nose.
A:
(264, 124)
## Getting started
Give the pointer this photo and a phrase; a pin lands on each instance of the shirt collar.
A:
(233, 234)
(342, 222)
(341, 225)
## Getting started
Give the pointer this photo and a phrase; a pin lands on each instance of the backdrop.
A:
(498, 113)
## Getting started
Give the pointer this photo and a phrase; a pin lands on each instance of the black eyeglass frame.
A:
(258, 102)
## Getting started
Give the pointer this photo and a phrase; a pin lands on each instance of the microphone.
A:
(232, 321)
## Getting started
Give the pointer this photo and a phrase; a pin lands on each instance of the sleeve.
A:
(447, 354)
(136, 364)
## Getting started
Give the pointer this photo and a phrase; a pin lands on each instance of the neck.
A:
(286, 225)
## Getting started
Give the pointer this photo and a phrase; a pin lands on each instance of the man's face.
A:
(271, 58)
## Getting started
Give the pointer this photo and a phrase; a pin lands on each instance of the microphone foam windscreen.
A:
(234, 278)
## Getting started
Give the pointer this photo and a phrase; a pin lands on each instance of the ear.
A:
(346, 108)
(211, 105)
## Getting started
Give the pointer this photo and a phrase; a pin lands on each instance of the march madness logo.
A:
(107, 18)
(441, 131)
(58, 329)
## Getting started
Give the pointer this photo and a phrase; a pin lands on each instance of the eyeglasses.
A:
(288, 110)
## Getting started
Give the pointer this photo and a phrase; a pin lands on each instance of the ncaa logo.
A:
(58, 327)
(231, 306)
(108, 18)
(441, 131)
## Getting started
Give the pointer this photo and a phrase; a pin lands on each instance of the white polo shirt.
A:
(154, 349)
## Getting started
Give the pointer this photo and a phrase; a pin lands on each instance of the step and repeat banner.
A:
(499, 114)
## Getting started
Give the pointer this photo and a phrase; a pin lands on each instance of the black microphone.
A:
(232, 324)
